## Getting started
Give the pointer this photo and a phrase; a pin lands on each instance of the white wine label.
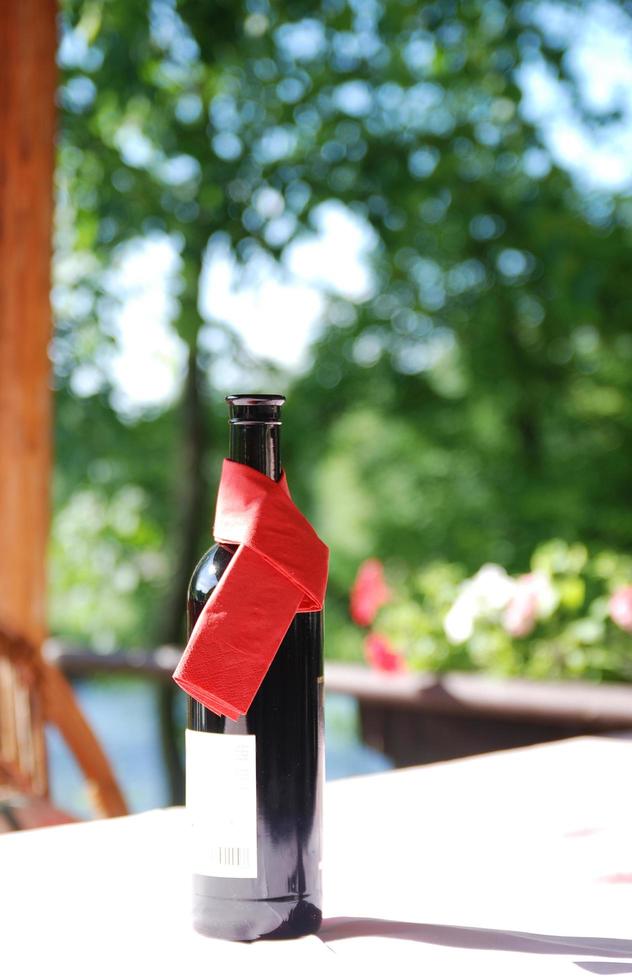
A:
(221, 800)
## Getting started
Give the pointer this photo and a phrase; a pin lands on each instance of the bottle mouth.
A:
(255, 400)
(255, 409)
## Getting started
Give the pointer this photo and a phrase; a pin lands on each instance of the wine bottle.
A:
(254, 786)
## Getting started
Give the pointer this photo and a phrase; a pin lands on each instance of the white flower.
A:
(459, 621)
(484, 595)
(492, 588)
(545, 593)
(494, 595)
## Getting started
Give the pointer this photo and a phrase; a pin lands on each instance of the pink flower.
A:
(534, 597)
(520, 615)
(369, 592)
(620, 607)
(381, 655)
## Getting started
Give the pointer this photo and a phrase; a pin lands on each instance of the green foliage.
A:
(472, 403)
(570, 634)
(106, 556)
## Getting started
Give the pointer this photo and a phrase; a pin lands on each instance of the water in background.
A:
(124, 715)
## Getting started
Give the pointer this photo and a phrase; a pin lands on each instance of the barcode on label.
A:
(222, 804)
(232, 857)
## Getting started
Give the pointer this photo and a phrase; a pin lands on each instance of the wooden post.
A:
(28, 39)
(28, 80)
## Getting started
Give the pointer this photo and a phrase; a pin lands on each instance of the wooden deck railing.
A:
(75, 662)
(411, 717)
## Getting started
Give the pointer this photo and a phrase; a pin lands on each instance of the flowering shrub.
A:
(570, 615)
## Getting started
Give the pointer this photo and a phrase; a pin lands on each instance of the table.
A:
(513, 864)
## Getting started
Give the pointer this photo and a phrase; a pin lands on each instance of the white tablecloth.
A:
(514, 864)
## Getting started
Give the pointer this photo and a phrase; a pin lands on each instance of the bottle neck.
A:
(256, 444)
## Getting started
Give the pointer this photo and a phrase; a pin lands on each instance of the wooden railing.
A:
(157, 665)
(415, 718)
(411, 717)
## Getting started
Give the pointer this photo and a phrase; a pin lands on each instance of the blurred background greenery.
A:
(414, 219)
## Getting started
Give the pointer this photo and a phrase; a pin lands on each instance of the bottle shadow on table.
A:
(467, 937)
(604, 969)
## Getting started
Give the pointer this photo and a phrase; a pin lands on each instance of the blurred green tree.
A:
(475, 403)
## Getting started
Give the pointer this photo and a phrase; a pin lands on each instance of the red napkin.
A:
(279, 569)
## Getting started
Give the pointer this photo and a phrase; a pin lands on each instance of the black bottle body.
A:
(286, 718)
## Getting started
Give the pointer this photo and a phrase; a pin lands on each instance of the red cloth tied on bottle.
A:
(279, 569)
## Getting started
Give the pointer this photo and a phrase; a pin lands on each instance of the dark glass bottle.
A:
(286, 718)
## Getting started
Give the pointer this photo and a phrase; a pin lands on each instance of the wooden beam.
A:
(28, 81)
(28, 38)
